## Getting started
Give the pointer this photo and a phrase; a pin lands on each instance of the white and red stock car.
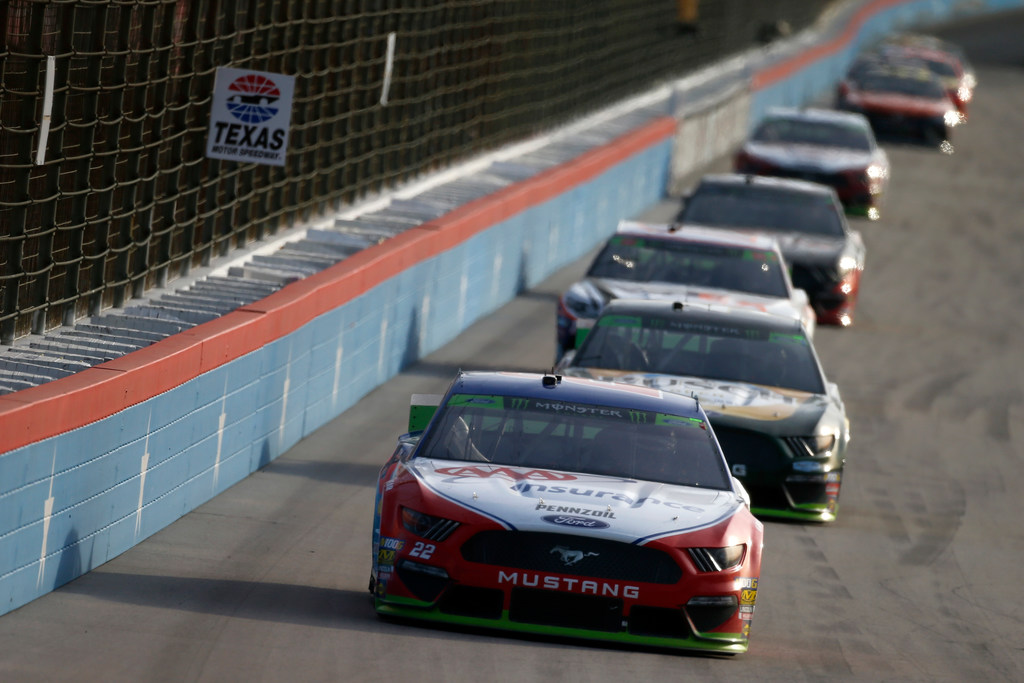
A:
(671, 262)
(566, 507)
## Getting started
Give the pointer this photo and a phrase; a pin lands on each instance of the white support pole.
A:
(389, 65)
(44, 125)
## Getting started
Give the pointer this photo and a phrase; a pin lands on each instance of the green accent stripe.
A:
(801, 515)
(725, 643)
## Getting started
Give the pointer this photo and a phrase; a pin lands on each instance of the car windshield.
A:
(942, 68)
(902, 85)
(818, 133)
(729, 351)
(644, 259)
(576, 437)
(775, 209)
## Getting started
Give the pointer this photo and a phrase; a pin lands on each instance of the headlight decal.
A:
(427, 526)
(716, 559)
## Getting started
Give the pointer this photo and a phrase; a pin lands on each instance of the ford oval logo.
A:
(573, 520)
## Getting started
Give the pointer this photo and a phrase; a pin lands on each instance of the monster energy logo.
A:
(638, 416)
(520, 403)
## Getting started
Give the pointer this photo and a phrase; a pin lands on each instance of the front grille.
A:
(550, 608)
(659, 622)
(815, 280)
(576, 555)
(425, 586)
(760, 454)
(709, 617)
(772, 497)
(470, 601)
(891, 122)
(807, 490)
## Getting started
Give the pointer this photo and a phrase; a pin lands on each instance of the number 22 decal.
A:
(422, 550)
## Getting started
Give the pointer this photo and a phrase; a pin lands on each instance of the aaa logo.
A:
(485, 472)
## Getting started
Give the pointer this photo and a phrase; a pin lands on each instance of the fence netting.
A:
(105, 192)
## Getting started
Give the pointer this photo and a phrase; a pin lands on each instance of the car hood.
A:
(663, 291)
(554, 501)
(752, 406)
(800, 247)
(810, 157)
(903, 104)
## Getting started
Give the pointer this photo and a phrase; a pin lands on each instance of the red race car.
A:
(826, 146)
(570, 508)
(901, 100)
(942, 59)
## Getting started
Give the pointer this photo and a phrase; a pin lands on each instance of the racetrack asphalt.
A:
(918, 580)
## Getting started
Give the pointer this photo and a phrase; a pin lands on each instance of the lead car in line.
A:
(568, 507)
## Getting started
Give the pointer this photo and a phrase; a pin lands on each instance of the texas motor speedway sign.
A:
(250, 116)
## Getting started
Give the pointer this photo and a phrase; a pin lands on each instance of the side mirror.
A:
(744, 496)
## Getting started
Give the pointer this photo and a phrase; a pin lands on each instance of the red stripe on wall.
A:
(782, 70)
(37, 413)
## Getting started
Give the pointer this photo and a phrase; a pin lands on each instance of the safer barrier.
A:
(94, 463)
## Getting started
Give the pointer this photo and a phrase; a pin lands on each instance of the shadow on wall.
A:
(265, 456)
(522, 281)
(70, 567)
(411, 354)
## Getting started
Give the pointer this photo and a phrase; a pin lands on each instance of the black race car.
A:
(781, 424)
(825, 256)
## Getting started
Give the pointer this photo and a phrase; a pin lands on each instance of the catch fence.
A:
(105, 189)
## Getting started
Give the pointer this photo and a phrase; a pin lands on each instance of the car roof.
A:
(702, 234)
(793, 184)
(901, 69)
(711, 313)
(574, 390)
(928, 42)
(928, 52)
(816, 114)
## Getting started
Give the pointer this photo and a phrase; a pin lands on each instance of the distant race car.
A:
(945, 65)
(679, 263)
(970, 78)
(570, 508)
(901, 100)
(825, 256)
(825, 146)
(781, 423)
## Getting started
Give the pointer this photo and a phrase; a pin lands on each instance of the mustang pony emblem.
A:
(571, 557)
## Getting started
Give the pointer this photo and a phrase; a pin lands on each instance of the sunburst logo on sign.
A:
(252, 98)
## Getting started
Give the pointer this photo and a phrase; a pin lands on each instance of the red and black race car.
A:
(567, 507)
(835, 148)
(901, 100)
(826, 257)
(945, 64)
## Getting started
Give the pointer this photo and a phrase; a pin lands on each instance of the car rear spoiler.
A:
(421, 409)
